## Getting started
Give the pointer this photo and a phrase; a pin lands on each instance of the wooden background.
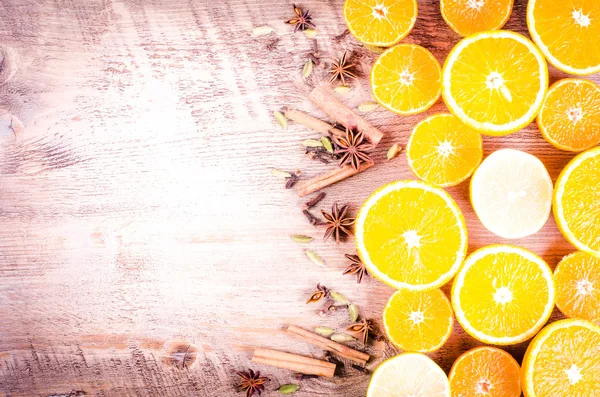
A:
(138, 216)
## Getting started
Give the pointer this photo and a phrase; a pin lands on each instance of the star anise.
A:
(340, 70)
(302, 20)
(352, 148)
(322, 292)
(362, 329)
(252, 382)
(338, 222)
(356, 267)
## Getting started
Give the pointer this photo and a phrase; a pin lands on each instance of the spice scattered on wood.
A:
(281, 119)
(367, 106)
(393, 151)
(361, 369)
(342, 338)
(288, 389)
(312, 143)
(291, 181)
(311, 122)
(302, 20)
(342, 89)
(262, 30)
(357, 267)
(340, 36)
(338, 222)
(311, 218)
(293, 362)
(353, 149)
(324, 331)
(314, 201)
(329, 178)
(251, 382)
(301, 239)
(321, 292)
(362, 330)
(280, 173)
(353, 312)
(341, 70)
(327, 144)
(314, 258)
(307, 69)
(311, 33)
(339, 298)
(300, 376)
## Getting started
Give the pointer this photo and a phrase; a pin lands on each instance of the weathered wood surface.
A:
(144, 243)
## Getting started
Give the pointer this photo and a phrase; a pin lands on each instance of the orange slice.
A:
(472, 16)
(418, 320)
(570, 116)
(444, 151)
(576, 202)
(495, 81)
(567, 33)
(380, 23)
(406, 79)
(485, 371)
(577, 279)
(563, 361)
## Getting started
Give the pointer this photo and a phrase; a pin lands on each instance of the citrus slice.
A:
(570, 115)
(443, 151)
(472, 16)
(410, 234)
(577, 202)
(418, 320)
(563, 361)
(503, 294)
(495, 81)
(511, 193)
(485, 371)
(567, 33)
(406, 79)
(577, 278)
(381, 23)
(409, 374)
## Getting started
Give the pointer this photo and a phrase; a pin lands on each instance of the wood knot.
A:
(8, 64)
(180, 355)
(11, 128)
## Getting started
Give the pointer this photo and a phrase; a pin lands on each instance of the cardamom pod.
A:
(302, 239)
(310, 32)
(288, 389)
(393, 151)
(336, 296)
(353, 311)
(367, 106)
(324, 331)
(262, 30)
(341, 338)
(327, 144)
(312, 143)
(314, 258)
(281, 120)
(342, 89)
(307, 69)
(280, 173)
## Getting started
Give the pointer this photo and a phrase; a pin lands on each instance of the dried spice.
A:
(288, 389)
(367, 106)
(326, 141)
(321, 292)
(340, 36)
(262, 30)
(310, 33)
(339, 298)
(300, 376)
(314, 201)
(307, 69)
(362, 330)
(357, 267)
(314, 258)
(353, 312)
(252, 382)
(353, 148)
(311, 218)
(342, 89)
(280, 173)
(393, 151)
(340, 70)
(302, 20)
(301, 239)
(339, 223)
(315, 143)
(324, 331)
(341, 338)
(320, 153)
(271, 46)
(291, 181)
(281, 119)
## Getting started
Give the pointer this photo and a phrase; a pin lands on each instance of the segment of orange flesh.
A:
(406, 79)
(472, 16)
(380, 22)
(563, 360)
(503, 294)
(577, 279)
(485, 371)
(570, 116)
(567, 32)
(418, 320)
(444, 151)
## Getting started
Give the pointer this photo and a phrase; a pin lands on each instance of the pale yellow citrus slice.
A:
(411, 234)
(418, 320)
(381, 23)
(503, 294)
(485, 371)
(563, 360)
(495, 81)
(511, 193)
(567, 33)
(406, 79)
(466, 17)
(409, 374)
(443, 151)
(577, 202)
(577, 278)
(570, 115)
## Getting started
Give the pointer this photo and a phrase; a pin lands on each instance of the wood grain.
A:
(144, 243)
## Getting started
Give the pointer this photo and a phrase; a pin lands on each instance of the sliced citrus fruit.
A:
(410, 234)
(495, 81)
(485, 371)
(563, 361)
(472, 16)
(577, 278)
(511, 193)
(443, 151)
(570, 115)
(503, 294)
(577, 202)
(381, 23)
(409, 374)
(567, 33)
(406, 79)
(418, 320)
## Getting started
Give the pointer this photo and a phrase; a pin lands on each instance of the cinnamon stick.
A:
(329, 345)
(324, 99)
(311, 122)
(320, 181)
(295, 362)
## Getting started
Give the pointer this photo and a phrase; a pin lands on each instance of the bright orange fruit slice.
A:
(466, 17)
(381, 23)
(570, 116)
(567, 33)
(418, 320)
(577, 279)
(485, 371)
(406, 79)
(563, 361)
